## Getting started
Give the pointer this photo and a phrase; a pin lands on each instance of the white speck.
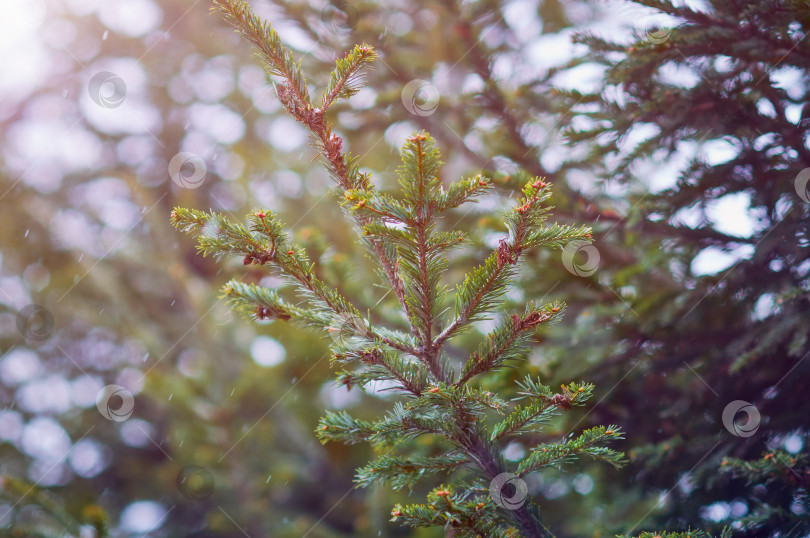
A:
(146, 356)
(268, 479)
(106, 35)
(27, 232)
(181, 443)
(172, 304)
(80, 257)
(232, 391)
(170, 396)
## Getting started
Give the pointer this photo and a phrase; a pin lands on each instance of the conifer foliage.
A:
(406, 235)
(725, 74)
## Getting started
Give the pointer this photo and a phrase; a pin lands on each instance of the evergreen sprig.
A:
(543, 405)
(465, 516)
(406, 235)
(773, 466)
(277, 58)
(590, 443)
(404, 472)
(696, 533)
(347, 78)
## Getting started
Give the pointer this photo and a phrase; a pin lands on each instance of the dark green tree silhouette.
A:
(734, 74)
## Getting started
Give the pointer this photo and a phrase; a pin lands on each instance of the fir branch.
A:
(218, 236)
(775, 465)
(267, 243)
(401, 425)
(404, 472)
(543, 406)
(406, 422)
(689, 533)
(344, 428)
(374, 207)
(277, 58)
(588, 442)
(478, 294)
(383, 365)
(484, 286)
(467, 517)
(468, 400)
(259, 302)
(463, 191)
(346, 80)
(420, 183)
(508, 341)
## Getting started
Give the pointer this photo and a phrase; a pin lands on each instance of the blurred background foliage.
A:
(680, 135)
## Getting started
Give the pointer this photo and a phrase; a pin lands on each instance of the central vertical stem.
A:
(480, 452)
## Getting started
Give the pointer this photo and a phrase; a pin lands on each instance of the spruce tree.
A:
(733, 75)
(408, 237)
